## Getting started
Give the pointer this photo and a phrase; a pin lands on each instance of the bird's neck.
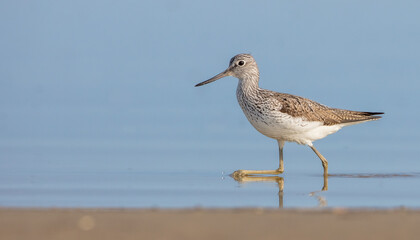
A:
(248, 84)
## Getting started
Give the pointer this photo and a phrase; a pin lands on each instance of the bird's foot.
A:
(242, 173)
(239, 173)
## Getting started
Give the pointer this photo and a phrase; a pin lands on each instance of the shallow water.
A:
(206, 189)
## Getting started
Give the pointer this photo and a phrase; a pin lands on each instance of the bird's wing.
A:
(296, 106)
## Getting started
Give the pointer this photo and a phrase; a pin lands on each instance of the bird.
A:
(282, 116)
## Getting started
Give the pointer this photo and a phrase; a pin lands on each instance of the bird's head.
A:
(241, 66)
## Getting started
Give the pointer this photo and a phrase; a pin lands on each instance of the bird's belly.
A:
(284, 127)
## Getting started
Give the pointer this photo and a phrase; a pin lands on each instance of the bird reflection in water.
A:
(322, 202)
(256, 178)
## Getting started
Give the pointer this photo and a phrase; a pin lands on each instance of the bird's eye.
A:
(241, 63)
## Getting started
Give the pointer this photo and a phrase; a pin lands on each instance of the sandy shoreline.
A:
(208, 224)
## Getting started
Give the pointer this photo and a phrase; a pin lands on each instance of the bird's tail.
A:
(354, 117)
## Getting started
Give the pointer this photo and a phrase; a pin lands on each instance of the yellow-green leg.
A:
(323, 160)
(272, 172)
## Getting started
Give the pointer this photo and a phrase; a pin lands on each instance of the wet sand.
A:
(208, 224)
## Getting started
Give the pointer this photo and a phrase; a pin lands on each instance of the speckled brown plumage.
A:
(310, 110)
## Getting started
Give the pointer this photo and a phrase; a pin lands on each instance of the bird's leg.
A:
(279, 170)
(325, 187)
(281, 145)
(323, 160)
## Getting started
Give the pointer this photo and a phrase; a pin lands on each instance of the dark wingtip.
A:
(373, 113)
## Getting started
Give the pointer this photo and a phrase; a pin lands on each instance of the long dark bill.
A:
(218, 76)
